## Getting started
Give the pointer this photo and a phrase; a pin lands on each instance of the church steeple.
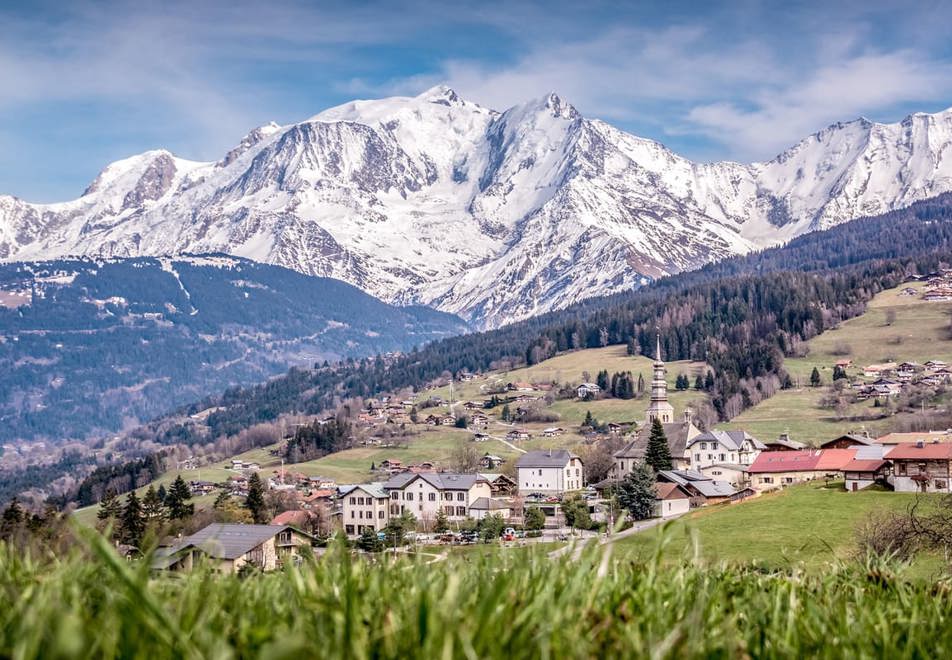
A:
(659, 409)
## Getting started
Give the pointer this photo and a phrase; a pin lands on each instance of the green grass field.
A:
(807, 525)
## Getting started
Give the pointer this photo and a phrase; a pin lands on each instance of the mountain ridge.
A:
(494, 216)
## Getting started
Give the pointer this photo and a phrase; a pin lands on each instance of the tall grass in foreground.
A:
(513, 604)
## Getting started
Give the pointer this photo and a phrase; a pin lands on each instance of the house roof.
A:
(729, 466)
(786, 461)
(835, 459)
(926, 436)
(488, 504)
(545, 458)
(935, 451)
(375, 489)
(670, 491)
(439, 480)
(703, 484)
(677, 433)
(785, 442)
(230, 541)
(296, 517)
(493, 477)
(855, 438)
(864, 465)
(732, 440)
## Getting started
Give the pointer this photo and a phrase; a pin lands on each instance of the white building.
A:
(723, 447)
(659, 408)
(549, 471)
(427, 493)
(362, 507)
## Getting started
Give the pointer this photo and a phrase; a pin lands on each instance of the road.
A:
(576, 546)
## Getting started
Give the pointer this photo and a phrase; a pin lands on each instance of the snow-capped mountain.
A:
(494, 216)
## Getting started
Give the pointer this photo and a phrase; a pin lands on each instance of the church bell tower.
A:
(659, 409)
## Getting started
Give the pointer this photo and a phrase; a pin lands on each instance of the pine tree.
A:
(152, 507)
(255, 500)
(815, 379)
(177, 500)
(641, 385)
(658, 455)
(132, 521)
(699, 383)
(636, 492)
(13, 517)
(709, 381)
(589, 420)
(506, 414)
(221, 502)
(838, 373)
(162, 493)
(109, 506)
(602, 380)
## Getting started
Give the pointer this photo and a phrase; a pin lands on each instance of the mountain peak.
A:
(559, 106)
(440, 94)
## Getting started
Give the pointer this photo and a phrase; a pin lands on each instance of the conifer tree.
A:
(177, 500)
(658, 455)
(506, 414)
(132, 521)
(709, 381)
(699, 383)
(162, 493)
(255, 500)
(442, 523)
(641, 385)
(589, 420)
(13, 517)
(636, 492)
(152, 507)
(815, 379)
(109, 506)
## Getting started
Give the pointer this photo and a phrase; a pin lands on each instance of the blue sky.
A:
(86, 83)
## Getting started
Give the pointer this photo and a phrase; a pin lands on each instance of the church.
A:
(678, 433)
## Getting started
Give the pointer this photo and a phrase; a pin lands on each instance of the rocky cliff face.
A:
(494, 216)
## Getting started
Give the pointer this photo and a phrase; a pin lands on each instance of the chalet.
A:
(722, 447)
(473, 405)
(934, 365)
(229, 547)
(843, 364)
(447, 420)
(552, 432)
(391, 465)
(521, 387)
(316, 498)
(364, 506)
(297, 518)
(921, 467)
(490, 461)
(925, 437)
(735, 474)
(199, 488)
(702, 489)
(679, 435)
(938, 294)
(549, 471)
(500, 484)
(587, 390)
(784, 468)
(866, 468)
(466, 376)
(783, 443)
(432, 420)
(480, 436)
(614, 428)
(908, 291)
(518, 434)
(421, 467)
(479, 421)
(848, 440)
(877, 370)
(426, 494)
(671, 499)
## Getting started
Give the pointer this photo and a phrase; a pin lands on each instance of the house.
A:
(391, 465)
(783, 443)
(735, 474)
(876, 370)
(521, 387)
(848, 440)
(587, 390)
(427, 493)
(447, 420)
(199, 488)
(297, 518)
(784, 468)
(499, 484)
(552, 432)
(722, 447)
(486, 506)
(473, 405)
(843, 364)
(480, 436)
(490, 461)
(679, 435)
(926, 437)
(702, 489)
(921, 467)
(671, 500)
(364, 506)
(935, 365)
(866, 468)
(479, 421)
(518, 434)
(229, 547)
(549, 471)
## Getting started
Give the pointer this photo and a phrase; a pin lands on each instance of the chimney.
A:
(785, 437)
(920, 444)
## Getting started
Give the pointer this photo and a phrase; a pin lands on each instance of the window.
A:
(353, 500)
(703, 445)
(902, 468)
(577, 473)
(352, 515)
(622, 465)
(697, 458)
(767, 480)
(460, 497)
(723, 457)
(409, 497)
(461, 511)
(432, 497)
(394, 495)
(380, 513)
(540, 472)
(788, 480)
(448, 510)
(349, 529)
